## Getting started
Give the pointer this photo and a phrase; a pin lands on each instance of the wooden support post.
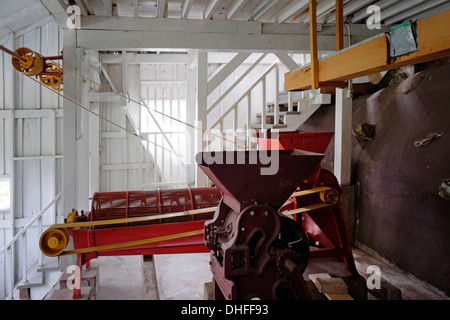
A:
(69, 167)
(343, 136)
(339, 25)
(249, 119)
(276, 107)
(201, 112)
(313, 44)
(149, 275)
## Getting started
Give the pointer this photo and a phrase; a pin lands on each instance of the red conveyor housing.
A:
(129, 204)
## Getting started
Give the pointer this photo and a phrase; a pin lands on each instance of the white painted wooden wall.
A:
(30, 141)
(124, 163)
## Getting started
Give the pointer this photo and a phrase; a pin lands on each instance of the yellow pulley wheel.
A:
(32, 65)
(54, 241)
(330, 196)
(54, 81)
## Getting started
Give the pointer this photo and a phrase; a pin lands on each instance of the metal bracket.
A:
(402, 39)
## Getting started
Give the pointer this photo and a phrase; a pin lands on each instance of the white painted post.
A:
(290, 102)
(39, 228)
(222, 145)
(69, 130)
(263, 109)
(235, 127)
(343, 136)
(94, 132)
(11, 270)
(201, 112)
(23, 257)
(249, 118)
(276, 107)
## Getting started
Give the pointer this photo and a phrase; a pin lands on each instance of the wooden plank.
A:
(338, 296)
(298, 79)
(313, 44)
(126, 166)
(149, 276)
(372, 55)
(355, 61)
(339, 25)
(332, 288)
(331, 285)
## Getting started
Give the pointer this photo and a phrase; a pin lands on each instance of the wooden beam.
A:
(354, 62)
(226, 71)
(187, 4)
(344, 65)
(339, 25)
(313, 44)
(160, 8)
(108, 7)
(290, 10)
(210, 8)
(136, 8)
(58, 10)
(120, 33)
(372, 55)
(235, 7)
(82, 6)
(287, 61)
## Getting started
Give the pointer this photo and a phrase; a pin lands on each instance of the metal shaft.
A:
(15, 55)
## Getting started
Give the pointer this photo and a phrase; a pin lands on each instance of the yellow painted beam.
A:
(314, 80)
(355, 61)
(372, 56)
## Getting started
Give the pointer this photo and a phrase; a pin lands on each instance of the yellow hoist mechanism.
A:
(31, 63)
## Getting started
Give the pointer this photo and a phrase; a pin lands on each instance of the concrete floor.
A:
(181, 277)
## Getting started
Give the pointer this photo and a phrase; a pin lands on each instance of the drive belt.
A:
(133, 243)
(55, 239)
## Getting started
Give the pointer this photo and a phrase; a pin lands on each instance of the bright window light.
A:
(5, 200)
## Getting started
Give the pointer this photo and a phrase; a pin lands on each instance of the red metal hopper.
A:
(288, 140)
(242, 178)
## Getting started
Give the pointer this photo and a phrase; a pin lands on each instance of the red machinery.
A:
(289, 140)
(256, 252)
(135, 223)
(257, 249)
(159, 203)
